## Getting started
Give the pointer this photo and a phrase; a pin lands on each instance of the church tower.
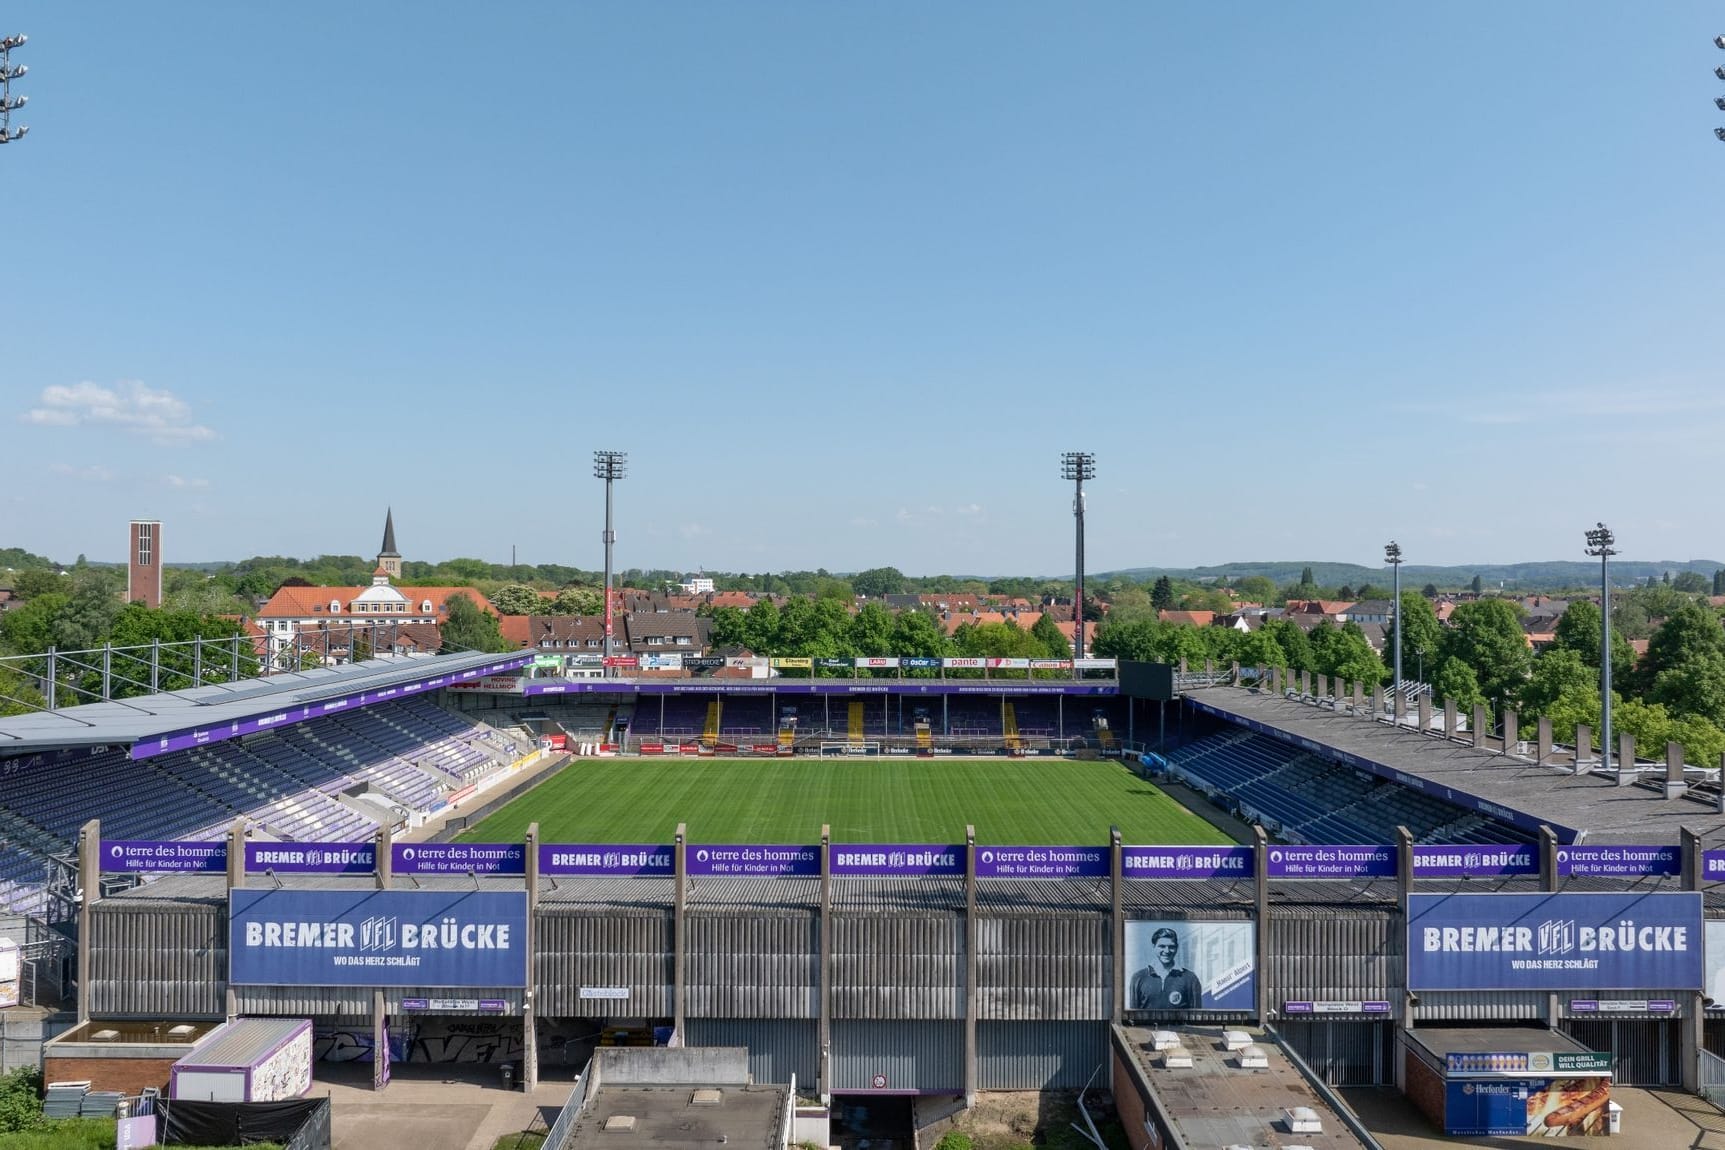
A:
(389, 558)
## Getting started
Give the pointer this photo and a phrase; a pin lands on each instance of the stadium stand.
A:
(1305, 798)
(300, 783)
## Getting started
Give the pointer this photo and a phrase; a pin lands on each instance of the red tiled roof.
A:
(313, 602)
(1188, 618)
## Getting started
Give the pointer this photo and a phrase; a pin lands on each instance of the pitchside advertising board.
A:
(1631, 941)
(377, 938)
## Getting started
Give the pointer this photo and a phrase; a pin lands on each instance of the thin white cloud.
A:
(182, 483)
(95, 473)
(694, 530)
(129, 405)
(971, 510)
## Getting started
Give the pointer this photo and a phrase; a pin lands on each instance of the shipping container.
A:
(248, 1060)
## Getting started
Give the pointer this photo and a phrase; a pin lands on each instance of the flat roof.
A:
(1441, 1040)
(744, 1117)
(1216, 1103)
(128, 721)
(1590, 802)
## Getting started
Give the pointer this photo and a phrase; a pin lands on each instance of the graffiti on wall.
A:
(476, 1040)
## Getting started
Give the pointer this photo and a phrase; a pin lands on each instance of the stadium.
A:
(914, 883)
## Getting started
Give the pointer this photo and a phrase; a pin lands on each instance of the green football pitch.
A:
(1010, 802)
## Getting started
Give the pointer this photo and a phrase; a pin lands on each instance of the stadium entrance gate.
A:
(1646, 1052)
(1344, 1052)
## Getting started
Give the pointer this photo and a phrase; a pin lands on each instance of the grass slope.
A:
(1036, 802)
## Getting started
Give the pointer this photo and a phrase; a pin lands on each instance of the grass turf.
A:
(1014, 803)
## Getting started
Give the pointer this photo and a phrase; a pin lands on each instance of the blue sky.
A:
(845, 279)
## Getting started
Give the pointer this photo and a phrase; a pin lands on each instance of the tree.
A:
(878, 581)
(1719, 581)
(1690, 583)
(469, 628)
(1296, 648)
(1306, 579)
(1455, 680)
(1420, 635)
(1557, 672)
(1478, 585)
(518, 599)
(1430, 591)
(1256, 589)
(1344, 653)
(761, 628)
(1666, 579)
(37, 581)
(577, 601)
(1486, 635)
(730, 628)
(1162, 594)
(1047, 632)
(1578, 629)
(918, 633)
(1680, 657)
(1345, 592)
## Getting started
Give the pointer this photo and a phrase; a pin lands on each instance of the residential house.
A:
(1379, 611)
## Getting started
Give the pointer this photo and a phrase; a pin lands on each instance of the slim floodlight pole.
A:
(1599, 542)
(609, 466)
(1078, 466)
(1719, 101)
(1393, 556)
(8, 102)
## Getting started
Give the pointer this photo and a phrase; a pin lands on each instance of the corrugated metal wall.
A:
(306, 1001)
(1648, 1052)
(1481, 1006)
(758, 966)
(886, 967)
(922, 1056)
(572, 950)
(778, 1048)
(1040, 1055)
(1043, 967)
(158, 958)
(1335, 958)
(1345, 1052)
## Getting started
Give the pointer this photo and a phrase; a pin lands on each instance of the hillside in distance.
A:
(1519, 576)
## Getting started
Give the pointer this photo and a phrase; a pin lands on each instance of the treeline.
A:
(826, 628)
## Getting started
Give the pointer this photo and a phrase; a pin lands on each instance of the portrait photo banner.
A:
(1179, 965)
(429, 938)
(1625, 941)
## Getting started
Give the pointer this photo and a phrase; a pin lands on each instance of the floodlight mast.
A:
(1078, 466)
(1719, 101)
(1599, 542)
(1393, 556)
(8, 102)
(609, 466)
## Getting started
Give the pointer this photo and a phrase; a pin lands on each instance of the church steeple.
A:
(389, 559)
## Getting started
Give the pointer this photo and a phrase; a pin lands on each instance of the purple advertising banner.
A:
(903, 860)
(1713, 866)
(1186, 862)
(312, 858)
(812, 687)
(251, 724)
(458, 858)
(137, 856)
(754, 861)
(1617, 861)
(1623, 1006)
(622, 860)
(1042, 862)
(1378, 1007)
(1475, 861)
(1333, 862)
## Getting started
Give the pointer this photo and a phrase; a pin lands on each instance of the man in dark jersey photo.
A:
(1164, 984)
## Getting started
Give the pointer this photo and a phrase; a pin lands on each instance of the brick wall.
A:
(128, 1074)
(1424, 1087)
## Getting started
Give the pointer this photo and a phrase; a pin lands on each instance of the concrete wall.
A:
(674, 1066)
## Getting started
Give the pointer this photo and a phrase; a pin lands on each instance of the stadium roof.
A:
(1591, 803)
(222, 709)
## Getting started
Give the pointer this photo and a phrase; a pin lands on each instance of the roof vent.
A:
(706, 1096)
(1235, 1040)
(1302, 1120)
(1253, 1058)
(620, 1123)
(1163, 1039)
(104, 1035)
(1176, 1058)
(183, 1030)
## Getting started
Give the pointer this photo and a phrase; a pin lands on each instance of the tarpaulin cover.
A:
(235, 1123)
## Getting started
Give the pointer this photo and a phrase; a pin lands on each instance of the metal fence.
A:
(565, 1125)
(1713, 1078)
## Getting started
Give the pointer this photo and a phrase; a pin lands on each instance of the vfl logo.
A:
(377, 934)
(313, 858)
(1557, 936)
